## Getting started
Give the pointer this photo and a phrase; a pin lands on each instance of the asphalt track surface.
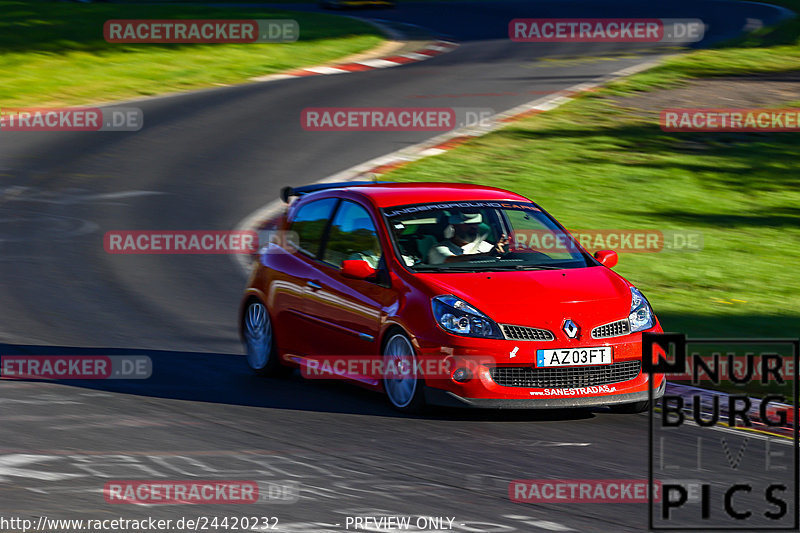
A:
(206, 160)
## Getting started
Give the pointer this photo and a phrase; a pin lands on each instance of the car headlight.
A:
(456, 316)
(641, 316)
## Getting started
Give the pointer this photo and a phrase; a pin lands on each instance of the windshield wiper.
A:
(488, 268)
(461, 268)
(537, 267)
(500, 266)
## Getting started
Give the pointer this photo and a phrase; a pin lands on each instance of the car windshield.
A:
(481, 236)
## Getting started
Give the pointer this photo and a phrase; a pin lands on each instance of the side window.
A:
(352, 236)
(309, 223)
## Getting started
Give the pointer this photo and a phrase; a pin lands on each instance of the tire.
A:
(259, 341)
(630, 408)
(406, 395)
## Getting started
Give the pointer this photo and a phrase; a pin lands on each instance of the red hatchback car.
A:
(478, 294)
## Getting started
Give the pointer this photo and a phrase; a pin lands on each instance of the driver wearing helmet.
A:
(462, 238)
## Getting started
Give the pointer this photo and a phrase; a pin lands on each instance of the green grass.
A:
(773, 49)
(53, 53)
(597, 165)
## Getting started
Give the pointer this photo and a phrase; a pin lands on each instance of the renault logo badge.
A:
(571, 329)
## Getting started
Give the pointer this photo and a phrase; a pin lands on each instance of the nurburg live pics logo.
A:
(724, 461)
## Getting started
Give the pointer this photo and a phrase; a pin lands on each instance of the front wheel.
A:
(406, 393)
(262, 357)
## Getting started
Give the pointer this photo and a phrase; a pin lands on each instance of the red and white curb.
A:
(433, 49)
(438, 145)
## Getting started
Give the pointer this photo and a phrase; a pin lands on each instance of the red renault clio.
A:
(479, 295)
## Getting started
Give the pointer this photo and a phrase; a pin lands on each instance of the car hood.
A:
(543, 298)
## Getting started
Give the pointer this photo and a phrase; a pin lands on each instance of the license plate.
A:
(599, 355)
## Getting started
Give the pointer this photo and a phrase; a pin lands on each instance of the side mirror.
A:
(357, 269)
(607, 258)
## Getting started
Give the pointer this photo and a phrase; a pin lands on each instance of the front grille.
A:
(524, 333)
(565, 377)
(614, 329)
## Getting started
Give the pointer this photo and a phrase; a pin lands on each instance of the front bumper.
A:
(447, 398)
(614, 384)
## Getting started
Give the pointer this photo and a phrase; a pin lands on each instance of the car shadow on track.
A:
(226, 379)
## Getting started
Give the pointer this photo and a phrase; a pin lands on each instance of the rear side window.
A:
(352, 236)
(309, 223)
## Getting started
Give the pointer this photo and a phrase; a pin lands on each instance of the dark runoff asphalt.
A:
(207, 159)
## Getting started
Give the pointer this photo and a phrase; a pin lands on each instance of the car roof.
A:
(395, 194)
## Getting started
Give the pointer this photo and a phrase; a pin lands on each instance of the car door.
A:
(348, 311)
(292, 273)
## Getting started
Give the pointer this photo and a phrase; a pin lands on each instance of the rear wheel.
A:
(405, 393)
(262, 357)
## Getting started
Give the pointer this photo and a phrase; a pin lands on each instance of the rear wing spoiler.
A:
(288, 192)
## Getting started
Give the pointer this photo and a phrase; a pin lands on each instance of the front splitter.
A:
(449, 399)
